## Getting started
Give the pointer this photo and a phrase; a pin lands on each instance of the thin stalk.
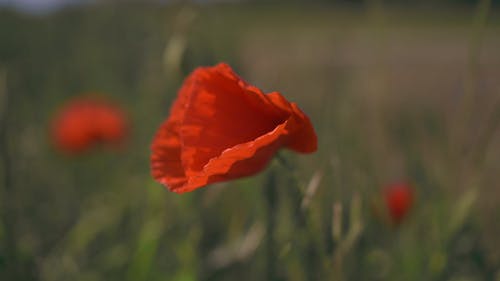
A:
(468, 102)
(7, 206)
(303, 225)
(8, 211)
(474, 52)
(270, 194)
(465, 107)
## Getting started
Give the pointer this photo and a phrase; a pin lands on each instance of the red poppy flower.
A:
(222, 128)
(84, 122)
(399, 200)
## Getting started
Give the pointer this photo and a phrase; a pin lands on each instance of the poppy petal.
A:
(239, 161)
(221, 114)
(84, 122)
(222, 128)
(165, 161)
(166, 165)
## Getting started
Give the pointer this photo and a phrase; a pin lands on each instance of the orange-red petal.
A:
(83, 122)
(399, 200)
(221, 128)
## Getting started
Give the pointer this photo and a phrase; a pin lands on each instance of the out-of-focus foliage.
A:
(395, 94)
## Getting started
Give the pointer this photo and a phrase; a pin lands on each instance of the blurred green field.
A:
(395, 94)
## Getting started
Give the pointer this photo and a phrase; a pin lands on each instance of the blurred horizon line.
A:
(49, 6)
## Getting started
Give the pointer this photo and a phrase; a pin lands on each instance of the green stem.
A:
(304, 235)
(15, 269)
(480, 18)
(7, 208)
(466, 108)
(270, 194)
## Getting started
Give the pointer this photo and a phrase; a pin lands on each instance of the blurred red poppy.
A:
(399, 200)
(84, 122)
(222, 128)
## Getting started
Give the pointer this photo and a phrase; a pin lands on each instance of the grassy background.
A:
(395, 93)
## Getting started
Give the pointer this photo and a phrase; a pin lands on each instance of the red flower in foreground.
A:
(84, 122)
(222, 128)
(399, 200)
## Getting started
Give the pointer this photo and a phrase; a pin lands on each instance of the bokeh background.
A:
(399, 91)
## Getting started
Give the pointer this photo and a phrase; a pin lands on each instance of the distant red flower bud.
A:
(399, 200)
(221, 128)
(84, 122)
